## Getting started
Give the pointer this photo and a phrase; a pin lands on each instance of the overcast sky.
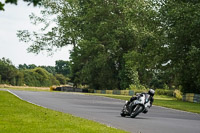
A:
(17, 18)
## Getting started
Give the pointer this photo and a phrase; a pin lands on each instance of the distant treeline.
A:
(32, 75)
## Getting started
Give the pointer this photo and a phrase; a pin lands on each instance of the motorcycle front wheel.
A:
(123, 112)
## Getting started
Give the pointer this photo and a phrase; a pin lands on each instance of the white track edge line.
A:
(24, 99)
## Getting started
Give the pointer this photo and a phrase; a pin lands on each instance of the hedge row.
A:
(164, 92)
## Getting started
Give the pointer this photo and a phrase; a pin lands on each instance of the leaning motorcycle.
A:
(137, 106)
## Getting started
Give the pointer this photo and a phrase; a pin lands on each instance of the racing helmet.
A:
(151, 92)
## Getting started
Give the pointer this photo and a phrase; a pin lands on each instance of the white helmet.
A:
(151, 92)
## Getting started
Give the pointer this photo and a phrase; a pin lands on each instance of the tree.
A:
(180, 27)
(102, 33)
(34, 2)
(9, 74)
(22, 67)
(25, 66)
(50, 69)
(62, 67)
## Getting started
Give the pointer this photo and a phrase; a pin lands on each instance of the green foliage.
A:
(138, 88)
(30, 75)
(39, 77)
(62, 67)
(119, 43)
(25, 66)
(61, 78)
(34, 2)
(1, 6)
(164, 92)
(50, 69)
(180, 25)
(156, 83)
(9, 74)
(30, 78)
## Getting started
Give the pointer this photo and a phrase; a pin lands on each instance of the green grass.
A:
(24, 88)
(164, 101)
(177, 104)
(17, 116)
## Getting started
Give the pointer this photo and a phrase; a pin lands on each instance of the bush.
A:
(61, 78)
(164, 92)
(178, 94)
(54, 81)
(39, 77)
(138, 88)
(30, 78)
(67, 80)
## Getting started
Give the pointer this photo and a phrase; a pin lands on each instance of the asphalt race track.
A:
(107, 111)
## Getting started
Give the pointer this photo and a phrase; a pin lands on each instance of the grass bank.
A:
(4, 86)
(164, 101)
(17, 116)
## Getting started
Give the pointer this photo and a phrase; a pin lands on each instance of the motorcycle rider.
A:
(150, 93)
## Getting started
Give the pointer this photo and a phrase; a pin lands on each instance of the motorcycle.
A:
(137, 106)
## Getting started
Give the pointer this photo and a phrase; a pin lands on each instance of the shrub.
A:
(67, 80)
(39, 77)
(61, 78)
(138, 88)
(178, 94)
(54, 81)
(30, 78)
(164, 92)
(166, 87)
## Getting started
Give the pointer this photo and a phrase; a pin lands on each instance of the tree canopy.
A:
(34, 2)
(117, 43)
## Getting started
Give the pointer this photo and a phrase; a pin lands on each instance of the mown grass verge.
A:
(17, 116)
(164, 101)
(26, 88)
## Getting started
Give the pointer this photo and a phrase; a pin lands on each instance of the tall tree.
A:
(102, 33)
(181, 24)
(62, 67)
